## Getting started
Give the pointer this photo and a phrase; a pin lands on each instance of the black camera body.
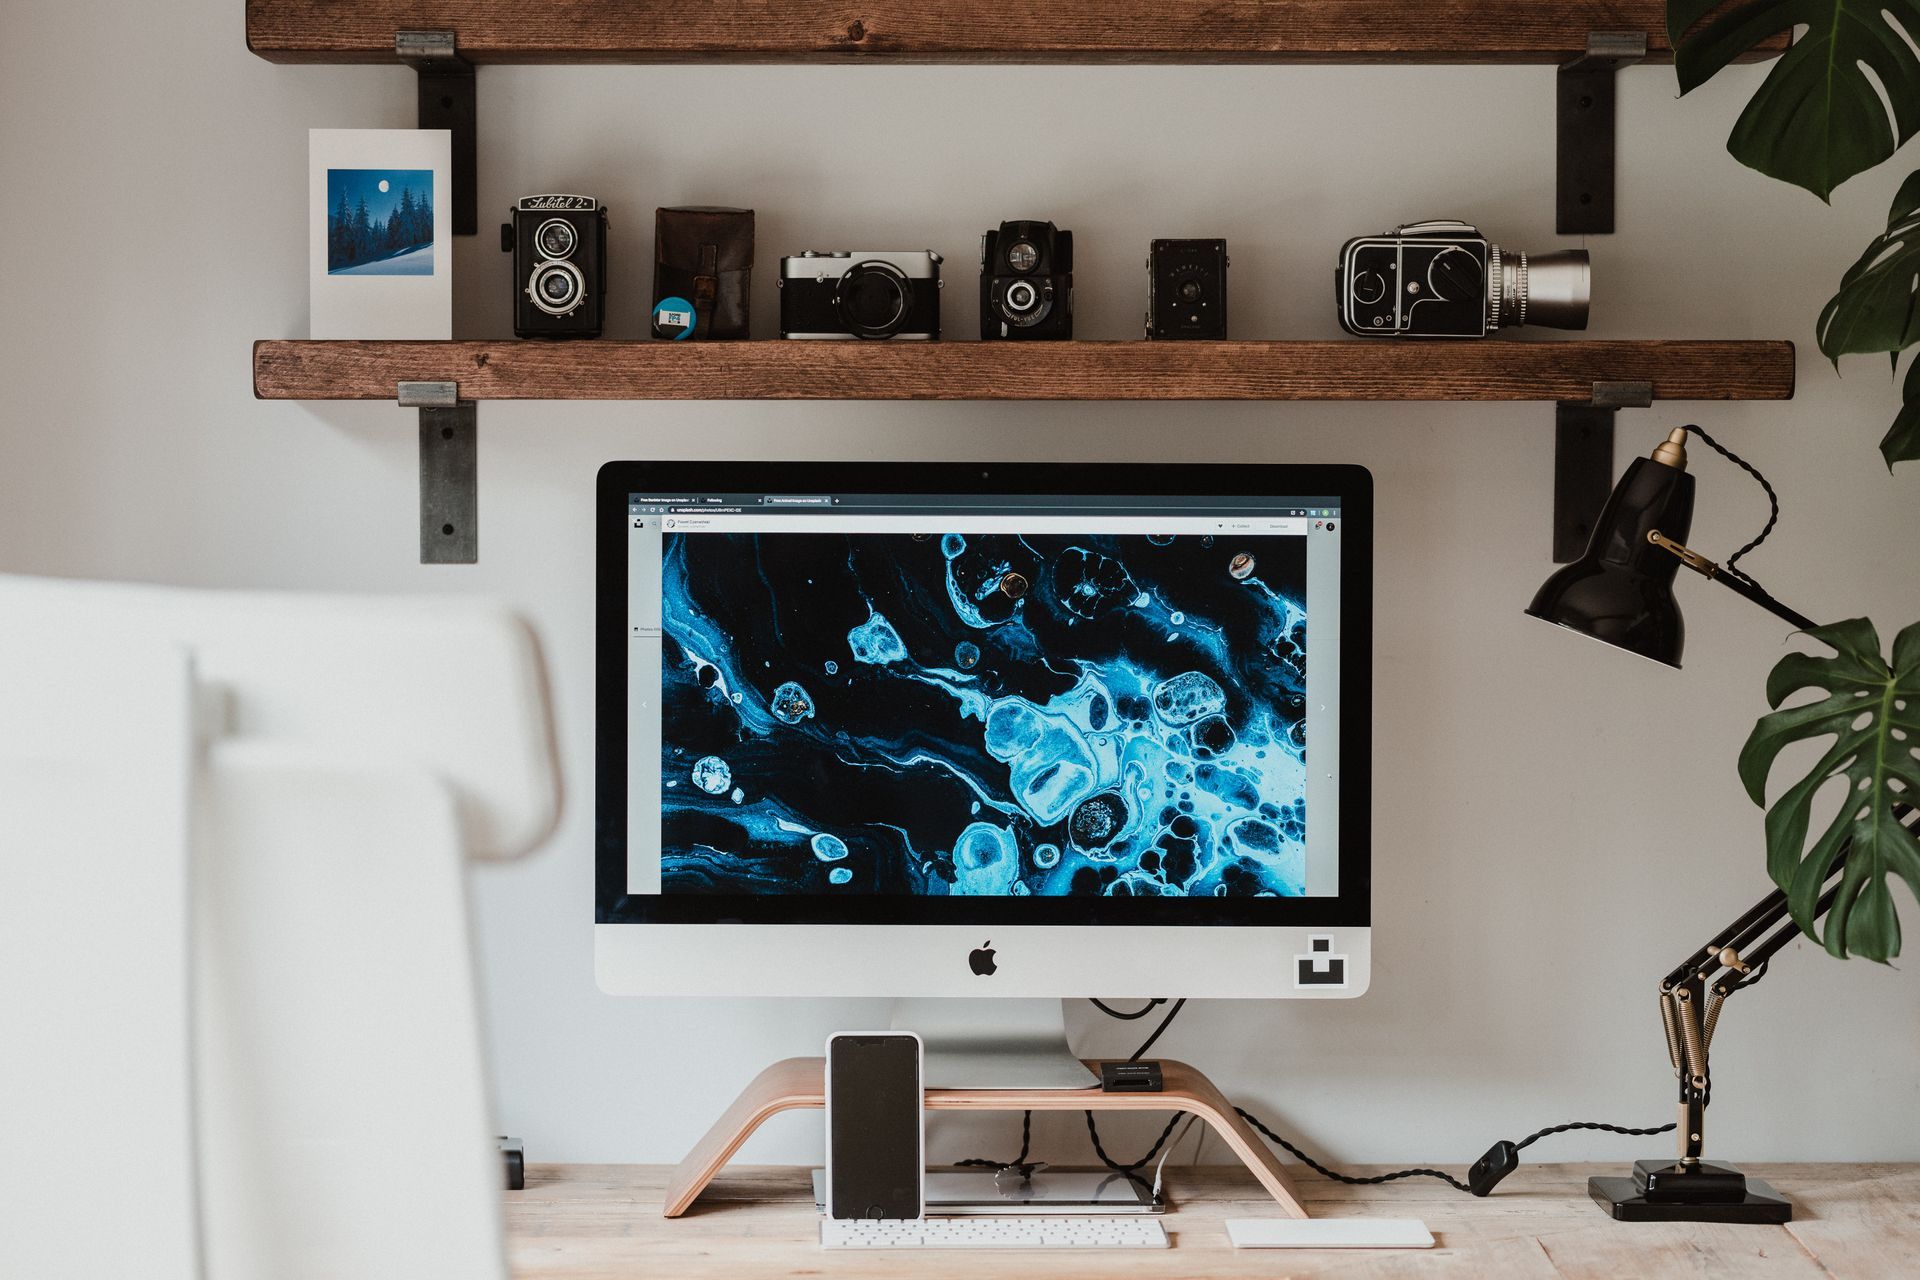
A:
(1187, 289)
(1026, 282)
(1445, 280)
(559, 248)
(861, 294)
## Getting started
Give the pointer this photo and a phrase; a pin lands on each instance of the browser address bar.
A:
(1268, 526)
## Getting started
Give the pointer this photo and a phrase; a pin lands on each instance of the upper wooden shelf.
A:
(1192, 31)
(776, 370)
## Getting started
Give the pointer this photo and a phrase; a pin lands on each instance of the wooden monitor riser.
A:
(801, 1082)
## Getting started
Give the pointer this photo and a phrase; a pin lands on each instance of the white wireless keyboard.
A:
(1030, 1232)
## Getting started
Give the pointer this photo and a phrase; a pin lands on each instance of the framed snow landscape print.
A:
(380, 253)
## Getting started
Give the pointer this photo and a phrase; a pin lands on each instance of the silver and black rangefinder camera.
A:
(861, 294)
(1446, 280)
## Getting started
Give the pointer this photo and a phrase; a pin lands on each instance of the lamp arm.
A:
(1732, 579)
(1742, 585)
(1692, 996)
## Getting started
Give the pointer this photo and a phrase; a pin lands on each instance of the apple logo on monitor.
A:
(980, 959)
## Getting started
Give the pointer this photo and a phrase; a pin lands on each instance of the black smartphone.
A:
(876, 1157)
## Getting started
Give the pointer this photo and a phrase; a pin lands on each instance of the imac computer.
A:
(1022, 731)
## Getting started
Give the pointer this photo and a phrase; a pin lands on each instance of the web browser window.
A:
(943, 695)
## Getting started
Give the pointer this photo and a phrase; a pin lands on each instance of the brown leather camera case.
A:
(704, 254)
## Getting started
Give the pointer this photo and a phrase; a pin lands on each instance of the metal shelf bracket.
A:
(449, 472)
(447, 102)
(1583, 461)
(1584, 149)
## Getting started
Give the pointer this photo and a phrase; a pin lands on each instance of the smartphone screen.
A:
(874, 1158)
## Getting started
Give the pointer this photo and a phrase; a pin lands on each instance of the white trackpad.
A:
(1329, 1233)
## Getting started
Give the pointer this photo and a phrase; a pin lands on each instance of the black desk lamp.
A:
(1621, 592)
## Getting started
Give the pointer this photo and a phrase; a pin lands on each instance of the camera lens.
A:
(1553, 289)
(555, 238)
(1023, 256)
(1021, 296)
(1190, 291)
(557, 287)
(873, 299)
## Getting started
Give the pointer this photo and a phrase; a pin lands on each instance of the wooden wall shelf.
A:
(1487, 370)
(444, 40)
(1589, 41)
(1052, 31)
(1587, 381)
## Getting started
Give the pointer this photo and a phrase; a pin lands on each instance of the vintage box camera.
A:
(1026, 281)
(1187, 289)
(1446, 280)
(861, 294)
(559, 248)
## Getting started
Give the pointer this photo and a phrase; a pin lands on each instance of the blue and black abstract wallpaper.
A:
(983, 714)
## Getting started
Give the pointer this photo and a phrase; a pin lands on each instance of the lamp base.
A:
(1662, 1191)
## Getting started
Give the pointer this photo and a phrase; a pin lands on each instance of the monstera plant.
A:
(1842, 99)
(1871, 712)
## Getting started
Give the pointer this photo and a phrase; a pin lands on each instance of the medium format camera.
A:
(861, 294)
(559, 248)
(1026, 281)
(1187, 289)
(1446, 280)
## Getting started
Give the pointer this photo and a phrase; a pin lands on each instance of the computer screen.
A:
(837, 693)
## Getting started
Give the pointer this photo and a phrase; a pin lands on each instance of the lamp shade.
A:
(1621, 590)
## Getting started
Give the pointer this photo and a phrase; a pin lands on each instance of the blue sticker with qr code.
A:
(673, 318)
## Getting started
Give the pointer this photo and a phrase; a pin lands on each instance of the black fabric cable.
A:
(1500, 1160)
(1749, 585)
(1093, 1131)
(1449, 1179)
(1018, 1162)
(1026, 1117)
(1141, 1012)
(1773, 499)
(1165, 1022)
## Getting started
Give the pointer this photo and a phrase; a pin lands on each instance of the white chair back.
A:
(291, 783)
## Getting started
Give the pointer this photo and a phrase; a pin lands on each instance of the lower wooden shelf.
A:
(1486, 370)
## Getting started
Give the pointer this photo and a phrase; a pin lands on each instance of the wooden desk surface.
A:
(1853, 1222)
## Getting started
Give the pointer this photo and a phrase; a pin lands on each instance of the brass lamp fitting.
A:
(1672, 451)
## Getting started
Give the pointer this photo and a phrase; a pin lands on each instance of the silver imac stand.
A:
(993, 1044)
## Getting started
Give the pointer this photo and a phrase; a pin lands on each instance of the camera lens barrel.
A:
(873, 299)
(1551, 289)
(557, 288)
(556, 238)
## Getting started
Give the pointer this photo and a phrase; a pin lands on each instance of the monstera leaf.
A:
(1902, 441)
(1872, 712)
(1876, 310)
(1818, 119)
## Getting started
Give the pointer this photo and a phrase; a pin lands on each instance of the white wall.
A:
(1556, 824)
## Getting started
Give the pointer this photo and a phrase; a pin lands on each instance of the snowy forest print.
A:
(380, 222)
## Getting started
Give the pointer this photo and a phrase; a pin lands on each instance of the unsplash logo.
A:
(1320, 967)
